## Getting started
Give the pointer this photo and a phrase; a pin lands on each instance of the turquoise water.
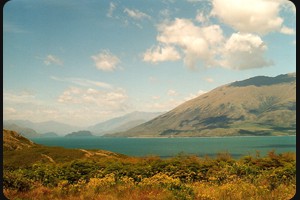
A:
(167, 147)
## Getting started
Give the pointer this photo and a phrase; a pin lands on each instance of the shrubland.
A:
(181, 177)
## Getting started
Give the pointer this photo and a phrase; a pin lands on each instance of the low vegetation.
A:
(180, 177)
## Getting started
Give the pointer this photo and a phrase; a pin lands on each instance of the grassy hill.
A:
(256, 106)
(18, 151)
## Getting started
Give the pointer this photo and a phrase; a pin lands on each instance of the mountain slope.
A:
(256, 106)
(122, 123)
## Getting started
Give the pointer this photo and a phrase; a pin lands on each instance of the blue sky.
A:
(83, 62)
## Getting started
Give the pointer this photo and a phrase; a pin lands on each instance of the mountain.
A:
(24, 131)
(256, 106)
(44, 127)
(80, 134)
(122, 123)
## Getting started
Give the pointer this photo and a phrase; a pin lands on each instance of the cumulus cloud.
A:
(244, 51)
(254, 16)
(136, 14)
(206, 45)
(159, 54)
(106, 61)
(51, 59)
(197, 43)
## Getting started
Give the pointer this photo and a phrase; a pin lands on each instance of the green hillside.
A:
(256, 106)
(18, 151)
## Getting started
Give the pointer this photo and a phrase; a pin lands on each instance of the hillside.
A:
(256, 106)
(19, 151)
(14, 141)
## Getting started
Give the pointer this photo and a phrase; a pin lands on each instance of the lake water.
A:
(167, 147)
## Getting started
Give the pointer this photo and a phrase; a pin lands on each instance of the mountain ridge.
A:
(255, 106)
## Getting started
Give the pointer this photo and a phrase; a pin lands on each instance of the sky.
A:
(84, 62)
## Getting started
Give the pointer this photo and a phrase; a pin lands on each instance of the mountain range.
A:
(256, 106)
(122, 123)
(40, 127)
(52, 128)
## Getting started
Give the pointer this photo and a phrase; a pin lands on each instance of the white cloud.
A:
(77, 106)
(101, 100)
(111, 9)
(244, 51)
(159, 54)
(172, 93)
(20, 98)
(287, 30)
(136, 14)
(197, 43)
(83, 82)
(206, 45)
(253, 16)
(106, 61)
(51, 59)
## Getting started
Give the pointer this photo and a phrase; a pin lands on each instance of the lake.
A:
(167, 147)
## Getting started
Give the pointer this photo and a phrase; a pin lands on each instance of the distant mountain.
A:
(80, 134)
(122, 123)
(44, 127)
(24, 131)
(256, 106)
